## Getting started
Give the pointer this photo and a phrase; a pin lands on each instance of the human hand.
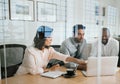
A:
(54, 67)
(82, 66)
(82, 62)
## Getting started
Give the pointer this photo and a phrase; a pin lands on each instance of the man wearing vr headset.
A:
(74, 46)
(109, 45)
(37, 57)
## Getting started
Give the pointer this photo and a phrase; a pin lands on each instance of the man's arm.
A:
(64, 49)
(82, 64)
(115, 48)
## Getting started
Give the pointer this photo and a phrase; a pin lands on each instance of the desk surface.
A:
(79, 79)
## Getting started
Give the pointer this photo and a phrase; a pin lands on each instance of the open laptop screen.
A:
(108, 66)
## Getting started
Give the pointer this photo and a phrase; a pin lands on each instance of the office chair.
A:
(56, 47)
(14, 57)
(119, 61)
(119, 56)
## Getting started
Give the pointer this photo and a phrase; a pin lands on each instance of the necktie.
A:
(77, 52)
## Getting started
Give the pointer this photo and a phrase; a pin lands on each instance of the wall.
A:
(93, 30)
(74, 15)
(27, 29)
(118, 6)
(113, 3)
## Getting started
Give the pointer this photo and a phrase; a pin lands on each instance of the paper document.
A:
(52, 74)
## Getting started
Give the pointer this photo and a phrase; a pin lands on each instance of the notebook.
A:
(108, 66)
(52, 74)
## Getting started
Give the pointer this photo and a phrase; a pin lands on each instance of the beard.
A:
(104, 41)
(78, 40)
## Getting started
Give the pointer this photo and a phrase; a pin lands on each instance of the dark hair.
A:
(105, 29)
(41, 35)
(39, 41)
(78, 26)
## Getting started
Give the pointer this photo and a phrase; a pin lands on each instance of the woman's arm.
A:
(67, 58)
(64, 49)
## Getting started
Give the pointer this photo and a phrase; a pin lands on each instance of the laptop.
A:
(108, 66)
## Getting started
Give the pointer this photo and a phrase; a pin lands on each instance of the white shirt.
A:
(35, 59)
(110, 49)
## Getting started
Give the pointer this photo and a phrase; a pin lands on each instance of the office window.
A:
(24, 30)
(91, 18)
(9, 30)
(97, 16)
(112, 14)
(3, 16)
(70, 18)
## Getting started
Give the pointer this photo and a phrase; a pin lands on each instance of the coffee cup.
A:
(70, 72)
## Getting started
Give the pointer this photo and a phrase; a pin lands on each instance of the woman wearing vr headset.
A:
(37, 56)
